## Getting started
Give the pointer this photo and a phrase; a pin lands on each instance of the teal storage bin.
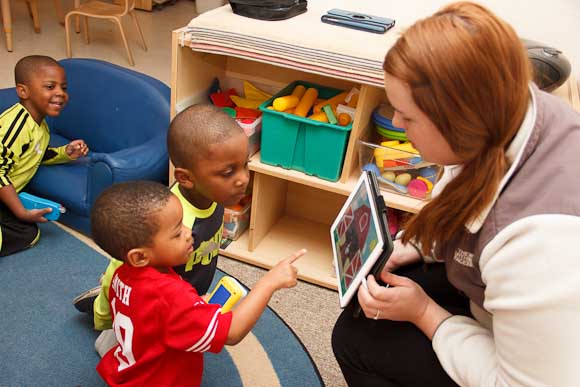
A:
(292, 142)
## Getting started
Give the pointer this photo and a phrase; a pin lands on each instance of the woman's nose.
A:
(397, 121)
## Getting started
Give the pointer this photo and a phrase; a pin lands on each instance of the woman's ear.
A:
(138, 257)
(184, 177)
(22, 91)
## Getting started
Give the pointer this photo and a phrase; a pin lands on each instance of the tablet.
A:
(361, 243)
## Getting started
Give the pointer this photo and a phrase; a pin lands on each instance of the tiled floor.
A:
(309, 310)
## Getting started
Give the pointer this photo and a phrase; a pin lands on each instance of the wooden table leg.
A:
(7, 19)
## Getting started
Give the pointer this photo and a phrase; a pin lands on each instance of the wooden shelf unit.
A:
(290, 210)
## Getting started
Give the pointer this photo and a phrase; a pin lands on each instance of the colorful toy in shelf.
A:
(344, 109)
(245, 113)
(374, 169)
(352, 98)
(417, 188)
(306, 102)
(286, 136)
(288, 103)
(389, 175)
(397, 154)
(403, 179)
(223, 98)
(299, 91)
(428, 182)
(237, 218)
(336, 100)
(285, 103)
(344, 119)
(230, 111)
(321, 117)
(401, 170)
(382, 118)
(429, 173)
(253, 97)
(327, 109)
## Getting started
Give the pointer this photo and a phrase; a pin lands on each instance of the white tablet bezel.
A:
(345, 298)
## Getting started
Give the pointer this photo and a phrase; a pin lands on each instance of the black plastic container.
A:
(268, 9)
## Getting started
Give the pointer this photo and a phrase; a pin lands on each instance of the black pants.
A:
(16, 234)
(391, 353)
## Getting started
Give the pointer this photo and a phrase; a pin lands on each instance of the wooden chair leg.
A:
(118, 20)
(77, 4)
(7, 20)
(67, 34)
(33, 10)
(59, 13)
(136, 21)
(86, 28)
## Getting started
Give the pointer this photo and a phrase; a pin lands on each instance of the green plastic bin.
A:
(292, 142)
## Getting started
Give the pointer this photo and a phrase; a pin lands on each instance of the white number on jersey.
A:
(122, 324)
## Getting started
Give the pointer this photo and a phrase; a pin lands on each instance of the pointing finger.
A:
(294, 257)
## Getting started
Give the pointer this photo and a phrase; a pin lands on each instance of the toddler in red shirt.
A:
(162, 325)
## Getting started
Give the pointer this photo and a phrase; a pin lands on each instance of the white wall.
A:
(555, 22)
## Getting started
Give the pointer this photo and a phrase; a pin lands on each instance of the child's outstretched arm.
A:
(247, 313)
(63, 154)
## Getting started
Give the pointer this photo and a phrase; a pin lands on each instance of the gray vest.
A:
(545, 181)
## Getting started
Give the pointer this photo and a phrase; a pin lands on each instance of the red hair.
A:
(469, 72)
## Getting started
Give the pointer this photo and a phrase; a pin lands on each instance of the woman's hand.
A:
(76, 149)
(403, 300)
(402, 255)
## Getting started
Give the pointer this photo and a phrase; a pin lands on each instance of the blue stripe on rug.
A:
(44, 341)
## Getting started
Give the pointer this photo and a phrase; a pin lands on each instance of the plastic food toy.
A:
(374, 169)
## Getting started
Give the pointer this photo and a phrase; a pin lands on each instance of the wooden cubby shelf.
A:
(290, 209)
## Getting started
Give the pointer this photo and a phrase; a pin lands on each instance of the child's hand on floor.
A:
(284, 274)
(76, 149)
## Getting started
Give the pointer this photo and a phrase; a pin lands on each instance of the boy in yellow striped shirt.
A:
(24, 136)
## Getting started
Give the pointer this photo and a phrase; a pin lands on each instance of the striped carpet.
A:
(44, 341)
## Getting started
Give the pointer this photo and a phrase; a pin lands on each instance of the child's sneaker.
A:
(84, 301)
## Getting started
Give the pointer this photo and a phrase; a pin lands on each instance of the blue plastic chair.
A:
(123, 116)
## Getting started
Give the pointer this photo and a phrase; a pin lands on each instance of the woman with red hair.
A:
(499, 301)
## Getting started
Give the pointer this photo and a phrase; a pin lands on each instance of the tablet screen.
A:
(357, 241)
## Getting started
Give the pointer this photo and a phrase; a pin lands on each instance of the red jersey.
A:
(163, 327)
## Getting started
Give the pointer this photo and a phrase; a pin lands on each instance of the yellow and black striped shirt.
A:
(24, 146)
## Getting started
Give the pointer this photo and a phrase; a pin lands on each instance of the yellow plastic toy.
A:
(299, 91)
(227, 293)
(306, 102)
(396, 150)
(319, 117)
(284, 103)
(253, 97)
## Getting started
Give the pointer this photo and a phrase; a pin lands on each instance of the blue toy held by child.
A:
(31, 202)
